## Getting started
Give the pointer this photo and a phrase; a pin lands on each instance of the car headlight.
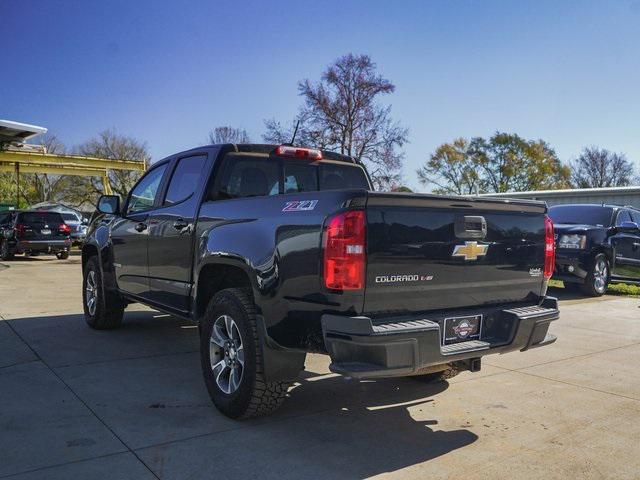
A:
(575, 241)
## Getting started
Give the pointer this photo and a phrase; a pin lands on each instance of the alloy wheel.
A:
(226, 353)
(600, 275)
(91, 292)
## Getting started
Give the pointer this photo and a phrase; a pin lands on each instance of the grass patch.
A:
(614, 289)
(624, 289)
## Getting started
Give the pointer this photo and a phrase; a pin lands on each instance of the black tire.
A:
(596, 281)
(34, 254)
(108, 312)
(5, 252)
(62, 255)
(441, 376)
(253, 396)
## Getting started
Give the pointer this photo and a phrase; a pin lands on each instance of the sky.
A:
(166, 72)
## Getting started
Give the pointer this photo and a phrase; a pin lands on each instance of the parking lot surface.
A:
(131, 403)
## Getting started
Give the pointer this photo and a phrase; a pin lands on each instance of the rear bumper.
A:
(43, 246)
(362, 348)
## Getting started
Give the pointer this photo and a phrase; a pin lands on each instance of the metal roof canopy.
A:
(18, 132)
(15, 161)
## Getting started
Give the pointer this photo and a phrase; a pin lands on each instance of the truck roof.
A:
(269, 149)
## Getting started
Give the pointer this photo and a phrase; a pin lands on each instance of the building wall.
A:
(609, 195)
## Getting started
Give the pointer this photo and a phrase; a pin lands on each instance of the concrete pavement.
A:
(77, 403)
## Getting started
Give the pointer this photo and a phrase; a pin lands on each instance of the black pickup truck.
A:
(276, 251)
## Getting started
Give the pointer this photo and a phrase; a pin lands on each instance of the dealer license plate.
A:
(462, 329)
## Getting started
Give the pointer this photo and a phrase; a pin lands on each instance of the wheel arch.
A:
(214, 276)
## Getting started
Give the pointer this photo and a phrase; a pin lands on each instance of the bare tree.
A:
(341, 112)
(111, 145)
(41, 187)
(229, 135)
(598, 167)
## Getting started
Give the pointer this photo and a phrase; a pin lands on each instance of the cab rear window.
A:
(253, 176)
(333, 177)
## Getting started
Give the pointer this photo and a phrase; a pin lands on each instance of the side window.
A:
(144, 194)
(248, 177)
(300, 178)
(184, 179)
(623, 216)
(4, 218)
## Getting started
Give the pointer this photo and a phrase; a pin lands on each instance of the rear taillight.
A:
(549, 248)
(344, 251)
(20, 229)
(64, 228)
(298, 152)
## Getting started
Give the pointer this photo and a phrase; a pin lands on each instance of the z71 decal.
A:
(300, 206)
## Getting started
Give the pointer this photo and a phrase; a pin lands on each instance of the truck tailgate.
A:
(427, 252)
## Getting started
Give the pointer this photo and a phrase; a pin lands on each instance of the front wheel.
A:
(62, 255)
(231, 358)
(595, 283)
(99, 312)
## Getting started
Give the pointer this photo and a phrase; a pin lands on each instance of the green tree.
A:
(34, 187)
(505, 162)
(512, 164)
(452, 169)
(342, 112)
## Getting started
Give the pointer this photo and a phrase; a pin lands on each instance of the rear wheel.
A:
(62, 255)
(231, 357)
(5, 252)
(99, 312)
(595, 283)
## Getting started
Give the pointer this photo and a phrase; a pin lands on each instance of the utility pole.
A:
(17, 185)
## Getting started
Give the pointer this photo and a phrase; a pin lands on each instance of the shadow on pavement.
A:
(329, 427)
(564, 294)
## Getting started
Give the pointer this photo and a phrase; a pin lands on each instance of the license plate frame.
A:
(454, 329)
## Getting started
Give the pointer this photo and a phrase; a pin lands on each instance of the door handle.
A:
(141, 227)
(180, 224)
(636, 245)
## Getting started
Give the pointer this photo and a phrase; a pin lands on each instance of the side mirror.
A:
(631, 227)
(85, 221)
(109, 204)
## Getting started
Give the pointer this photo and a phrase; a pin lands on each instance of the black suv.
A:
(596, 245)
(33, 232)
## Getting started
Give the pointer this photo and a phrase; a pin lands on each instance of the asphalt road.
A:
(131, 404)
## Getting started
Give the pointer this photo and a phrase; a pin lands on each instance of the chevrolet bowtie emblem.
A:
(470, 250)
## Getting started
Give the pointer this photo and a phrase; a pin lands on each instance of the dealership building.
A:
(611, 195)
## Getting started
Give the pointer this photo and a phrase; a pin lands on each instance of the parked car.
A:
(596, 245)
(33, 232)
(276, 251)
(78, 227)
